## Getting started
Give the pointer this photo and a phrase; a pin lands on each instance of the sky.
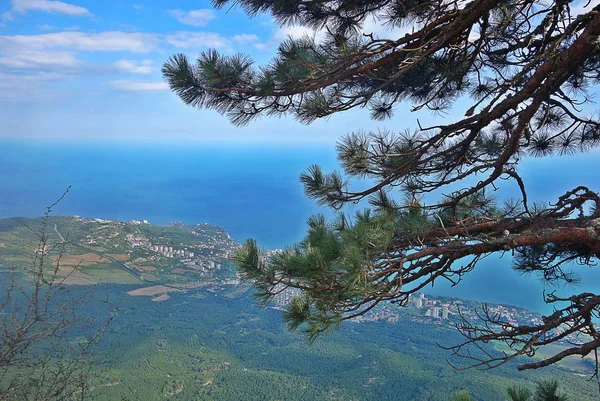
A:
(87, 70)
(82, 70)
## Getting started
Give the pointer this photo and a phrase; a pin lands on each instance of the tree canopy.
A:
(528, 70)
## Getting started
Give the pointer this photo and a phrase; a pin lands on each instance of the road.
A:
(59, 234)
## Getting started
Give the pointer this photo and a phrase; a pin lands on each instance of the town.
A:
(177, 248)
(444, 311)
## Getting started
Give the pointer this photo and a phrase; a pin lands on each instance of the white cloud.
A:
(299, 31)
(63, 54)
(38, 59)
(194, 17)
(9, 79)
(289, 31)
(138, 6)
(142, 67)
(245, 38)
(118, 41)
(49, 6)
(103, 41)
(187, 40)
(137, 86)
(31, 87)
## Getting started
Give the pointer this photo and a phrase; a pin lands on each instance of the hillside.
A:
(208, 346)
(161, 259)
(211, 342)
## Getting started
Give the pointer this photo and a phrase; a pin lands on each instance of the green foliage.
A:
(548, 391)
(340, 253)
(18, 244)
(518, 393)
(216, 348)
(47, 342)
(462, 395)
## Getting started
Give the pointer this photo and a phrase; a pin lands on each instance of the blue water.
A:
(250, 190)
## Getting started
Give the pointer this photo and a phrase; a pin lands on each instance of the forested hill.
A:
(219, 347)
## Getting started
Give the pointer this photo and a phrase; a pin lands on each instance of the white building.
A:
(444, 312)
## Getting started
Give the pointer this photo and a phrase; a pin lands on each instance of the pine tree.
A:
(527, 67)
(548, 391)
(518, 394)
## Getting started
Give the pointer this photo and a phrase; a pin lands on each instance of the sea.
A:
(251, 190)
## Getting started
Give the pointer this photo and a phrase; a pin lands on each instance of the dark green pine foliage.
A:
(330, 252)
(545, 391)
(548, 391)
(435, 195)
(518, 394)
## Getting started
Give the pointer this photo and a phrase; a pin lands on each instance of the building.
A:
(444, 312)
(419, 303)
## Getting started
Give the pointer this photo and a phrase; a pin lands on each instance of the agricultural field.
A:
(91, 251)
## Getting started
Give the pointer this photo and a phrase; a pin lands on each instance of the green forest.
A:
(208, 346)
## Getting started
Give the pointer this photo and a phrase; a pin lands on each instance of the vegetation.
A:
(462, 395)
(545, 391)
(526, 68)
(211, 344)
(46, 342)
(211, 347)
(91, 250)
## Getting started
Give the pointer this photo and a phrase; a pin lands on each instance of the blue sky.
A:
(88, 69)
